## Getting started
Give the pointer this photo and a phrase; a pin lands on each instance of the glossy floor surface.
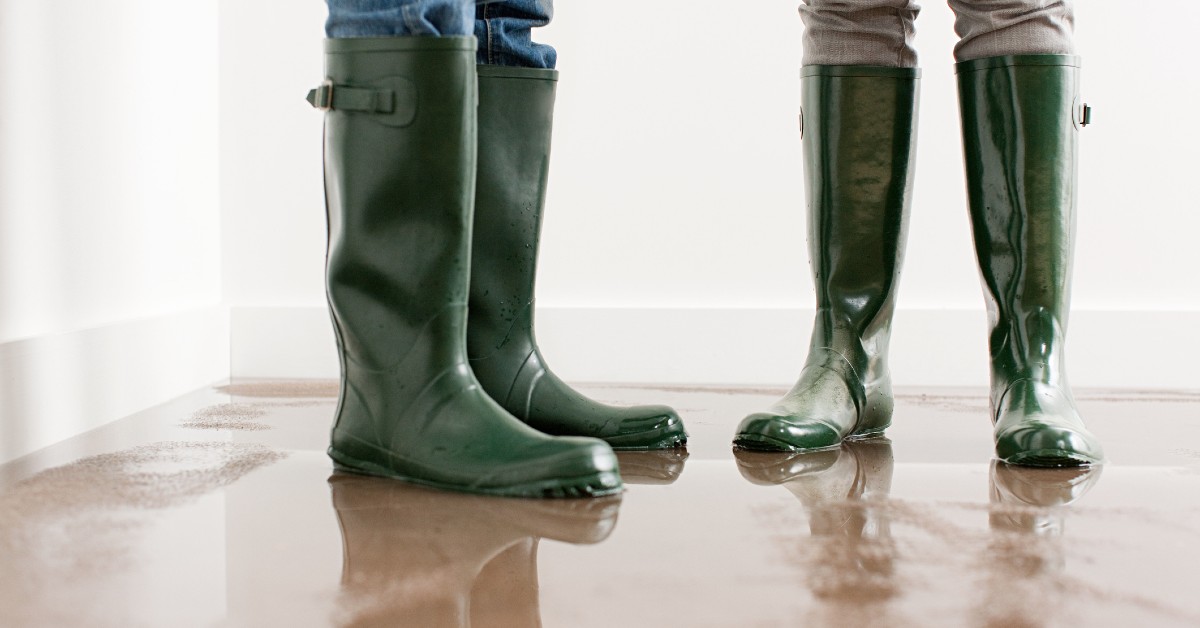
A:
(221, 509)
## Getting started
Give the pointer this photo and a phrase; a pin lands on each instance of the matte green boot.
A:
(1020, 119)
(399, 181)
(859, 127)
(516, 109)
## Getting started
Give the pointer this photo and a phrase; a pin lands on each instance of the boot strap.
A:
(327, 96)
(390, 101)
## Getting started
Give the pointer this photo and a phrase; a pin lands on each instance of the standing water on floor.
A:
(222, 509)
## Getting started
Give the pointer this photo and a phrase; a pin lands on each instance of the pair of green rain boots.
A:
(1020, 119)
(435, 174)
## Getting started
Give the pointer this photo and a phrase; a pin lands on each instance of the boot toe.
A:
(765, 431)
(648, 427)
(561, 467)
(1037, 442)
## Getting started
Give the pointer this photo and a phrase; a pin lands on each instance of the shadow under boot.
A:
(859, 139)
(417, 557)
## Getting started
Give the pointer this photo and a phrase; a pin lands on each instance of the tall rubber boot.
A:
(399, 181)
(859, 126)
(516, 110)
(1020, 119)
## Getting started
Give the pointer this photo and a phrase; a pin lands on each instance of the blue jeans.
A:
(502, 26)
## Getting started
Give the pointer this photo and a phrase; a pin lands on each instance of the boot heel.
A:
(876, 416)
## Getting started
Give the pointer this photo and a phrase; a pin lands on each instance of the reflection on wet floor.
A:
(850, 561)
(851, 557)
(221, 509)
(652, 467)
(420, 557)
(1026, 557)
(71, 532)
(413, 556)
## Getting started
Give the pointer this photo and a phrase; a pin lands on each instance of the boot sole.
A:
(673, 435)
(679, 442)
(597, 484)
(758, 442)
(1050, 458)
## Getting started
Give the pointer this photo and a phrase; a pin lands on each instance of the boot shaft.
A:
(399, 190)
(516, 113)
(859, 135)
(1020, 120)
(399, 179)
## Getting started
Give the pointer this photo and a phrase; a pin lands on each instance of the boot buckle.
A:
(1081, 114)
(323, 96)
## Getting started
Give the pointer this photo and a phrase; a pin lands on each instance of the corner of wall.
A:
(56, 386)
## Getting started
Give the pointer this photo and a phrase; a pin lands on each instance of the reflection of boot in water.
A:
(844, 491)
(505, 592)
(414, 557)
(1029, 501)
(659, 466)
(1025, 556)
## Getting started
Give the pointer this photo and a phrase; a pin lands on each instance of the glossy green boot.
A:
(399, 190)
(516, 109)
(859, 126)
(1020, 119)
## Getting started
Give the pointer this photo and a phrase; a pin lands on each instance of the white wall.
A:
(674, 245)
(272, 211)
(109, 230)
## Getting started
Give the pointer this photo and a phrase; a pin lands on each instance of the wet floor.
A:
(221, 509)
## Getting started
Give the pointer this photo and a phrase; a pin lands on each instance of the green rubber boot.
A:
(399, 181)
(1020, 119)
(859, 127)
(516, 109)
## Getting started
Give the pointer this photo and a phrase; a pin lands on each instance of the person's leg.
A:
(1021, 117)
(398, 18)
(859, 32)
(859, 135)
(991, 28)
(400, 161)
(503, 28)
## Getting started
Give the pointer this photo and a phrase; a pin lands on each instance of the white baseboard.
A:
(57, 386)
(930, 347)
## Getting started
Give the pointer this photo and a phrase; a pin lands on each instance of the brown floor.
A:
(220, 509)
